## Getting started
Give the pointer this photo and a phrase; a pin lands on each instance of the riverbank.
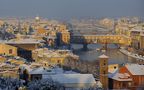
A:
(130, 54)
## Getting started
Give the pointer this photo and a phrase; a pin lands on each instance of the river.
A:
(92, 54)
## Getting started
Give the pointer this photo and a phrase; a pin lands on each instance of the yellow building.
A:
(7, 70)
(17, 62)
(1, 22)
(8, 49)
(65, 37)
(2, 59)
(41, 31)
(56, 60)
(53, 57)
(8, 74)
(108, 23)
(122, 30)
(62, 28)
(51, 60)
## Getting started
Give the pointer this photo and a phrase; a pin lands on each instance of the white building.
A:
(76, 81)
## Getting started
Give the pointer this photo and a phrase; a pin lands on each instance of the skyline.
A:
(66, 9)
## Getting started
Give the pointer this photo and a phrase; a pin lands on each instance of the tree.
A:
(25, 76)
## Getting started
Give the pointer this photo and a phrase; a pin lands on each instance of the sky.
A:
(67, 9)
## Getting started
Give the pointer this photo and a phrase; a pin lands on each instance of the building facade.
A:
(103, 64)
(8, 50)
(136, 73)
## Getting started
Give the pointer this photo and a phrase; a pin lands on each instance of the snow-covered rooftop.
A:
(121, 77)
(103, 56)
(42, 70)
(27, 67)
(135, 69)
(73, 78)
(47, 71)
(22, 41)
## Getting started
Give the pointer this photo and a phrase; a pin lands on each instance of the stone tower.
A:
(103, 64)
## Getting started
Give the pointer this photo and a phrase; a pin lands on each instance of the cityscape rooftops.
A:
(135, 69)
(75, 79)
(50, 71)
(54, 53)
(121, 77)
(21, 41)
(42, 70)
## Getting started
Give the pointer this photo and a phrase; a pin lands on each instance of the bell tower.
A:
(103, 66)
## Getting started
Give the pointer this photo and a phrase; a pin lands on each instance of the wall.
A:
(8, 50)
(137, 79)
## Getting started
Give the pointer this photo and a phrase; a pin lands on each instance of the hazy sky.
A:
(66, 9)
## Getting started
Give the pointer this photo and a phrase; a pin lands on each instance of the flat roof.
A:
(22, 41)
(73, 78)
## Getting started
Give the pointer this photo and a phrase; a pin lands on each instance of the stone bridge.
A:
(102, 39)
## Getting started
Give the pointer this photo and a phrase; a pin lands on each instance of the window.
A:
(104, 64)
(104, 72)
(114, 67)
(58, 61)
(10, 51)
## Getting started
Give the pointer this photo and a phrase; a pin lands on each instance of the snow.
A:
(103, 56)
(47, 71)
(70, 72)
(135, 69)
(24, 66)
(121, 77)
(42, 70)
(73, 78)
(98, 84)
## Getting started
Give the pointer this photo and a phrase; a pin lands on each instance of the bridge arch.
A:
(107, 39)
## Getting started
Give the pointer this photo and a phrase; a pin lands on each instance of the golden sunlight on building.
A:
(62, 28)
(65, 37)
(8, 50)
(1, 22)
(52, 57)
(41, 31)
(2, 59)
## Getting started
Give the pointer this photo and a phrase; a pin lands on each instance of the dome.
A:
(37, 18)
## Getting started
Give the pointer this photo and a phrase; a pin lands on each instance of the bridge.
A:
(102, 39)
